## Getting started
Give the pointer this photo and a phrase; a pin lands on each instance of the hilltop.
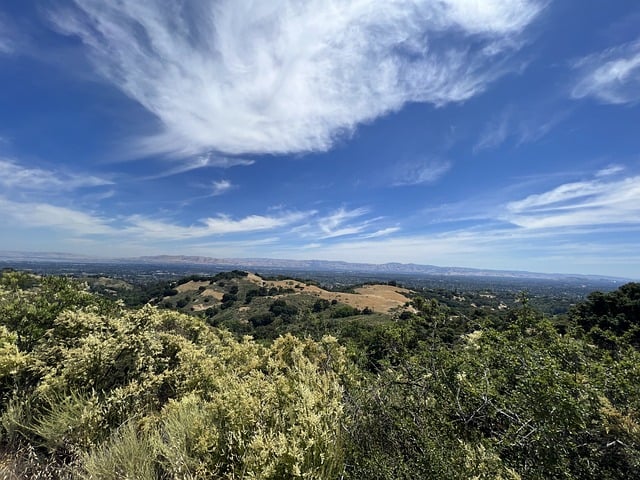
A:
(206, 293)
(264, 306)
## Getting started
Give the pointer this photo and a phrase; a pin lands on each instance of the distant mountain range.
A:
(301, 265)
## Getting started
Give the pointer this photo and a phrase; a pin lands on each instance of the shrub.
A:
(148, 393)
(281, 308)
(183, 302)
(343, 311)
(262, 319)
(320, 305)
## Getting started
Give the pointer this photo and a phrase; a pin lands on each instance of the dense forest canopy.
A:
(276, 385)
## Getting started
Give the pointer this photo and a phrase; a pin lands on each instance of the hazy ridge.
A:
(309, 265)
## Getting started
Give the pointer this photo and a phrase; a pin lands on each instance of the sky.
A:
(485, 134)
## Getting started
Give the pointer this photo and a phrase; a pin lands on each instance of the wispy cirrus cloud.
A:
(610, 170)
(208, 160)
(16, 176)
(612, 76)
(285, 76)
(336, 224)
(6, 46)
(221, 187)
(495, 132)
(513, 124)
(44, 215)
(153, 229)
(381, 233)
(420, 173)
(356, 223)
(7, 37)
(588, 203)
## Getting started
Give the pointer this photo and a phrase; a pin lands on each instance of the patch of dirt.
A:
(382, 297)
(252, 277)
(191, 286)
(200, 307)
(210, 292)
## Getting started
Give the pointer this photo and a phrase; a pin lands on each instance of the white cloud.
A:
(610, 170)
(7, 37)
(311, 246)
(381, 233)
(221, 187)
(421, 172)
(13, 175)
(342, 223)
(495, 132)
(449, 249)
(139, 227)
(612, 76)
(334, 225)
(208, 160)
(236, 244)
(50, 216)
(330, 222)
(536, 126)
(152, 229)
(5, 46)
(522, 125)
(284, 76)
(554, 199)
(223, 224)
(589, 203)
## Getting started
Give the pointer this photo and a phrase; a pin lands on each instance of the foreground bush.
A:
(113, 393)
(521, 402)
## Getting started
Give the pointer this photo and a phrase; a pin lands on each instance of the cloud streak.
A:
(589, 203)
(612, 76)
(39, 215)
(208, 160)
(244, 77)
(381, 233)
(7, 40)
(16, 176)
(221, 187)
(495, 132)
(519, 126)
(421, 173)
(335, 225)
(144, 227)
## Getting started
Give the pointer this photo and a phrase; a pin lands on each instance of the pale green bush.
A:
(116, 393)
(281, 418)
(128, 454)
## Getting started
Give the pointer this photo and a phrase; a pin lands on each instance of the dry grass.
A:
(380, 298)
(210, 292)
(190, 286)
(26, 464)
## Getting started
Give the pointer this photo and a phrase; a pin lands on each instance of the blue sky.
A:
(489, 134)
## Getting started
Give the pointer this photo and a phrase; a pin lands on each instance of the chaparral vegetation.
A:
(272, 383)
